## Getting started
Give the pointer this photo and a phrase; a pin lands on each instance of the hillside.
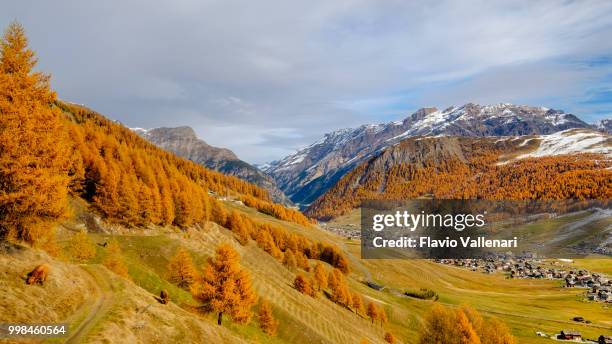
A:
(125, 242)
(133, 182)
(184, 142)
(311, 171)
(573, 164)
(134, 312)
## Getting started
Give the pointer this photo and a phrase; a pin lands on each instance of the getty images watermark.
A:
(478, 228)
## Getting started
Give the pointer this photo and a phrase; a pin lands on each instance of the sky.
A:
(264, 78)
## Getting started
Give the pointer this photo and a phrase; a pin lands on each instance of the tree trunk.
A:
(219, 318)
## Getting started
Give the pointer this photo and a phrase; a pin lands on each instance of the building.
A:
(570, 335)
(605, 339)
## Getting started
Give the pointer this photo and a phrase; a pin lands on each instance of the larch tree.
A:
(267, 322)
(496, 332)
(320, 276)
(439, 326)
(114, 260)
(33, 149)
(382, 316)
(389, 338)
(289, 259)
(475, 319)
(340, 292)
(225, 287)
(303, 285)
(181, 269)
(302, 261)
(81, 247)
(239, 227)
(465, 330)
(357, 303)
(372, 311)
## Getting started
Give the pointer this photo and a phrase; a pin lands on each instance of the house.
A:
(569, 335)
(605, 339)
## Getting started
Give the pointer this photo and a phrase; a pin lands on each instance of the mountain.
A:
(308, 173)
(184, 142)
(605, 125)
(571, 164)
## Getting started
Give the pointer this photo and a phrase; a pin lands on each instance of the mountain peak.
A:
(307, 173)
(184, 132)
(183, 141)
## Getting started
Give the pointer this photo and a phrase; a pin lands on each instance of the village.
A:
(598, 288)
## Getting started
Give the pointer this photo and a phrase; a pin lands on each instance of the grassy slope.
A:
(526, 305)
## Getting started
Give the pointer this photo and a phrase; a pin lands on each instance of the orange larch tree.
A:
(181, 269)
(320, 276)
(225, 287)
(114, 260)
(33, 150)
(267, 322)
(81, 247)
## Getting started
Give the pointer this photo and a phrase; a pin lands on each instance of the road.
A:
(101, 306)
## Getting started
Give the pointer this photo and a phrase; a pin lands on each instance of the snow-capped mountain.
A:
(605, 125)
(555, 162)
(309, 172)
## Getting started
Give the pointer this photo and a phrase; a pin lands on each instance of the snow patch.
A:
(571, 142)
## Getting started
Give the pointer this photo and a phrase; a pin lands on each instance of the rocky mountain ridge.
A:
(570, 164)
(183, 141)
(308, 173)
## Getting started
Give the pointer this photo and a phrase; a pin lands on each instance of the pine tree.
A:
(114, 260)
(226, 287)
(33, 151)
(81, 247)
(267, 322)
(182, 271)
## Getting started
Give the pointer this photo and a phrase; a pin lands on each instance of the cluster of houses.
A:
(349, 231)
(577, 337)
(599, 288)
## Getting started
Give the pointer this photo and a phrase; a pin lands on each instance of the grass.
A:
(525, 305)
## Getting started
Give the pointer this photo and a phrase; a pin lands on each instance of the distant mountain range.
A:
(605, 125)
(311, 171)
(184, 142)
(455, 167)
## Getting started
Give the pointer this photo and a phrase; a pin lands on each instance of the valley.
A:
(154, 236)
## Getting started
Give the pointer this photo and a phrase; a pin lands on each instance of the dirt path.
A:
(102, 304)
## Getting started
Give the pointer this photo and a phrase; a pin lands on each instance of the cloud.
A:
(266, 77)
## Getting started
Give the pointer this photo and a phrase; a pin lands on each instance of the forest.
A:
(476, 173)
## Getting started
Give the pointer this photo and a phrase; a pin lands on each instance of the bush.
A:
(423, 294)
